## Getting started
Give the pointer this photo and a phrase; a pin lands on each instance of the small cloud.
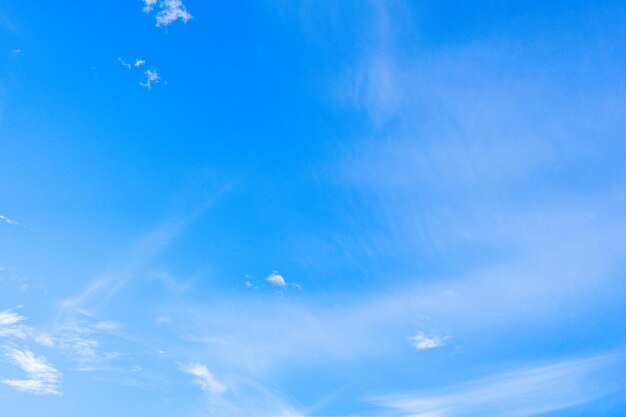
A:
(160, 321)
(170, 283)
(276, 279)
(422, 342)
(8, 221)
(106, 326)
(139, 62)
(124, 63)
(42, 378)
(204, 378)
(248, 284)
(152, 77)
(169, 11)
(44, 339)
(9, 317)
(148, 5)
(112, 355)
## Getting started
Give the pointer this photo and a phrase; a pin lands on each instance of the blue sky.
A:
(312, 208)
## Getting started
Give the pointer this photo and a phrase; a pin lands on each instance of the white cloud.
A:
(422, 342)
(9, 221)
(149, 5)
(42, 378)
(276, 279)
(105, 325)
(9, 317)
(9, 326)
(103, 288)
(169, 11)
(152, 77)
(204, 378)
(124, 63)
(139, 62)
(521, 393)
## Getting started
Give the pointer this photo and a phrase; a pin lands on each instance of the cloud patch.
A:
(9, 317)
(204, 378)
(422, 342)
(522, 392)
(152, 77)
(277, 280)
(123, 63)
(41, 377)
(169, 11)
(8, 221)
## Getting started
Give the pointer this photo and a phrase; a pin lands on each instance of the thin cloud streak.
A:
(123, 63)
(204, 378)
(524, 392)
(42, 378)
(9, 317)
(98, 293)
(9, 221)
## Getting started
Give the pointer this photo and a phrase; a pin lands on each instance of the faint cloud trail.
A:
(98, 293)
(8, 220)
(522, 392)
(42, 378)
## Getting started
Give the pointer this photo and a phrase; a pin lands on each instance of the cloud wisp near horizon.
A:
(332, 209)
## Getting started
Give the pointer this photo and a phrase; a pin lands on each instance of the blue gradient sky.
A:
(307, 208)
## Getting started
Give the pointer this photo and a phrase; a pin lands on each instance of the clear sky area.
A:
(312, 208)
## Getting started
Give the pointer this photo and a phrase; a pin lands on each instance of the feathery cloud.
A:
(106, 326)
(8, 221)
(520, 393)
(9, 317)
(123, 63)
(139, 62)
(42, 378)
(204, 378)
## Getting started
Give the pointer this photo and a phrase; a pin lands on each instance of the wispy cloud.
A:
(137, 259)
(422, 342)
(204, 378)
(9, 317)
(8, 221)
(148, 5)
(169, 11)
(106, 326)
(123, 63)
(9, 326)
(152, 77)
(521, 393)
(42, 378)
